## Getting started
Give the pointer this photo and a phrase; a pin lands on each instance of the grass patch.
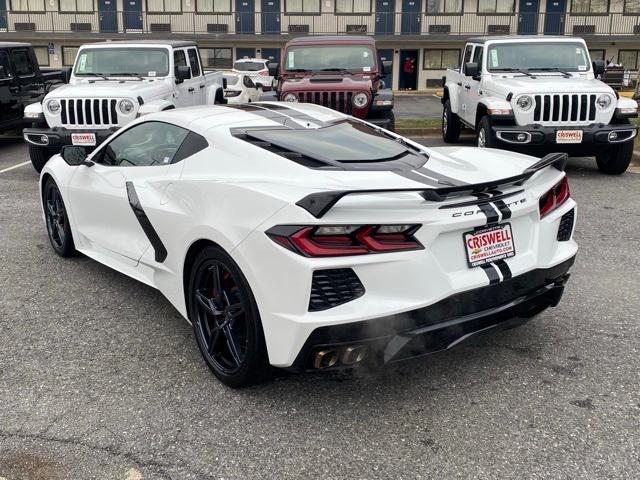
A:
(418, 123)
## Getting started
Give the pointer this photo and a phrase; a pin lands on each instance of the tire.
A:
(451, 124)
(40, 156)
(484, 136)
(616, 159)
(225, 319)
(389, 115)
(55, 213)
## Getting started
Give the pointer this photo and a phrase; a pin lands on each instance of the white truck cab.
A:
(539, 95)
(111, 84)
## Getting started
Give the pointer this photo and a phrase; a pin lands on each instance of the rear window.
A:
(249, 66)
(231, 79)
(342, 143)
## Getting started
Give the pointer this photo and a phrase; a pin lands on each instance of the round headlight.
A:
(525, 102)
(53, 106)
(125, 106)
(604, 101)
(360, 100)
(290, 97)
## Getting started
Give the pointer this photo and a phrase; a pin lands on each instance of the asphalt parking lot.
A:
(101, 379)
(412, 107)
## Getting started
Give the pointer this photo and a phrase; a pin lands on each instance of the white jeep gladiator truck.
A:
(540, 95)
(111, 84)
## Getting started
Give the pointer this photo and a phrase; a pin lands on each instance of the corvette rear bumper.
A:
(439, 326)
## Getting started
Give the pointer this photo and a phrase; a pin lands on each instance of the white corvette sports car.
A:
(298, 237)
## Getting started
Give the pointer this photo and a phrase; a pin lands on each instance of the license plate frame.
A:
(473, 257)
(569, 136)
(83, 139)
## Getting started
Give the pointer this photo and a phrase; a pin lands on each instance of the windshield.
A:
(541, 56)
(341, 142)
(358, 58)
(231, 79)
(249, 66)
(137, 62)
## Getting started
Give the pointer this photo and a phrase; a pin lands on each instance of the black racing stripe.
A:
(143, 220)
(504, 209)
(490, 212)
(504, 269)
(297, 115)
(491, 272)
(415, 177)
(443, 179)
(272, 115)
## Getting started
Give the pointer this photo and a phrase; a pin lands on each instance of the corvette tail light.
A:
(340, 240)
(554, 197)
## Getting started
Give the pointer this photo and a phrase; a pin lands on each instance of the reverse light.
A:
(341, 240)
(554, 197)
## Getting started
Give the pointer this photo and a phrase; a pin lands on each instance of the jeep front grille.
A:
(564, 108)
(340, 101)
(89, 111)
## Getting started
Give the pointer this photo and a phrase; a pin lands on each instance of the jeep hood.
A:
(110, 89)
(544, 84)
(328, 83)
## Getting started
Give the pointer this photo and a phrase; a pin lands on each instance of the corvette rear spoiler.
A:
(318, 204)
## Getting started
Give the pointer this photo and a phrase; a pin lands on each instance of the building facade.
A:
(421, 37)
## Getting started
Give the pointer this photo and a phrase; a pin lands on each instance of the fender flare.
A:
(213, 92)
(155, 106)
(452, 93)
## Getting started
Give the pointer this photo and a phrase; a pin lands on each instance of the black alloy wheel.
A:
(57, 220)
(225, 319)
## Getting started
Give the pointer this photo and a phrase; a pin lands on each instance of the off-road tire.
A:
(40, 156)
(484, 135)
(616, 159)
(451, 125)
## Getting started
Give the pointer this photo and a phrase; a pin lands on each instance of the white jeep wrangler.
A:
(111, 84)
(540, 95)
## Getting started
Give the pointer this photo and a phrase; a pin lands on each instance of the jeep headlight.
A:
(603, 101)
(125, 106)
(290, 97)
(360, 100)
(525, 102)
(53, 106)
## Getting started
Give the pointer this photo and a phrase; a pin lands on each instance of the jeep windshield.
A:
(538, 57)
(122, 62)
(340, 58)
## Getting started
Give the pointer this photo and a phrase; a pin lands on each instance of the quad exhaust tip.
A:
(332, 357)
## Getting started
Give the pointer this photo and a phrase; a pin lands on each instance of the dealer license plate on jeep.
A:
(84, 139)
(489, 244)
(569, 136)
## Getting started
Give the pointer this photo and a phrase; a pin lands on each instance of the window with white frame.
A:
(597, 54)
(76, 6)
(42, 54)
(629, 59)
(69, 55)
(353, 6)
(440, 59)
(496, 6)
(302, 6)
(160, 6)
(444, 6)
(27, 5)
(632, 6)
(213, 6)
(589, 6)
(216, 57)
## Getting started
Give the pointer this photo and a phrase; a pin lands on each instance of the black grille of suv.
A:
(566, 226)
(340, 101)
(330, 288)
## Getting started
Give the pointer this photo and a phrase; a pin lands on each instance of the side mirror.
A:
(273, 69)
(598, 67)
(182, 73)
(387, 67)
(471, 70)
(65, 74)
(74, 155)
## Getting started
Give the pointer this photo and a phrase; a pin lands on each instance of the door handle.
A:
(459, 84)
(201, 86)
(191, 89)
(13, 89)
(467, 87)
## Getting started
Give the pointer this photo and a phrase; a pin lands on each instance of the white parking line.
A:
(15, 166)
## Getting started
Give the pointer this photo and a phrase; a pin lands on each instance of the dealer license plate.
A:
(489, 244)
(569, 136)
(84, 139)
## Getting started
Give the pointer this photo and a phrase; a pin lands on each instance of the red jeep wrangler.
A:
(341, 72)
